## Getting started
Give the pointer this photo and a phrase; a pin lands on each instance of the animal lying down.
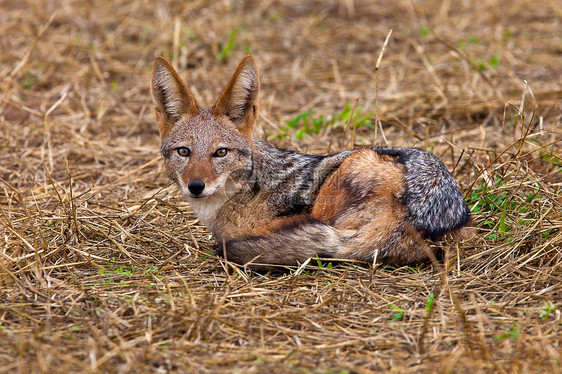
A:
(271, 206)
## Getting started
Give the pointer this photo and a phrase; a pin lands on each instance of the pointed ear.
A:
(238, 102)
(173, 100)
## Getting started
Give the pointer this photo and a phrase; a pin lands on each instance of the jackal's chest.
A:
(207, 210)
(229, 218)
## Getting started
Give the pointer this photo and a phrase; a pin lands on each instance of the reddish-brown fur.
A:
(363, 195)
(365, 178)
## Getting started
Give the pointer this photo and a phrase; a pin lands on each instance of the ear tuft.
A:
(173, 100)
(238, 101)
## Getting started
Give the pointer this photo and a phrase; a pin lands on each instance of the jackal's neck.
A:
(293, 179)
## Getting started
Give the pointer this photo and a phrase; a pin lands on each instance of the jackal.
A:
(271, 206)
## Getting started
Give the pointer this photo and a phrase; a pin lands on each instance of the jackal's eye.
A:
(184, 151)
(221, 152)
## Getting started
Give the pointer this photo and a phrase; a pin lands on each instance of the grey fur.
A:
(434, 201)
(294, 179)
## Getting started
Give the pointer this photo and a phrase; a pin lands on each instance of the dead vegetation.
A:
(104, 268)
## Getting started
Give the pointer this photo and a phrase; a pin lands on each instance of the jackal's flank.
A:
(266, 205)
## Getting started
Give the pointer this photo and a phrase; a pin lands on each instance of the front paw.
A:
(235, 251)
(219, 249)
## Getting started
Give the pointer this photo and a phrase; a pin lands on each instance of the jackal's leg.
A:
(285, 241)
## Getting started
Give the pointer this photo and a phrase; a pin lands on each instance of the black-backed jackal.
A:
(266, 205)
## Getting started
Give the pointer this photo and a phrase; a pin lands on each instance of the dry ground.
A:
(104, 268)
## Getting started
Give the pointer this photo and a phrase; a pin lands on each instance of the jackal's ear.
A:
(173, 100)
(238, 102)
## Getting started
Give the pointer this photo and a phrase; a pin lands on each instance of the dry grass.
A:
(103, 267)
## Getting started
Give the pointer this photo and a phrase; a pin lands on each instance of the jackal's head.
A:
(207, 151)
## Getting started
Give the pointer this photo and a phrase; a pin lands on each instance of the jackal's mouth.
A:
(197, 197)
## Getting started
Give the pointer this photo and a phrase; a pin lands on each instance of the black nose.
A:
(196, 187)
